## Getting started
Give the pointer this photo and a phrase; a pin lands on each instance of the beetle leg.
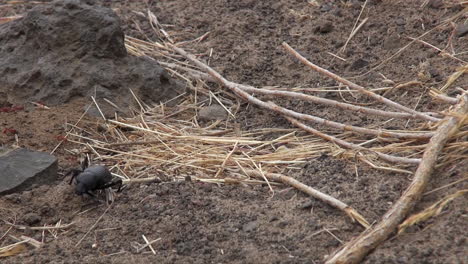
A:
(112, 183)
(74, 173)
(91, 194)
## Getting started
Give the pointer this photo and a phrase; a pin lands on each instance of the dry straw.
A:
(169, 142)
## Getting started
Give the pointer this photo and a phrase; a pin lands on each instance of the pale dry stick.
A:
(152, 158)
(149, 244)
(260, 171)
(368, 162)
(200, 138)
(25, 239)
(348, 145)
(222, 105)
(236, 88)
(279, 139)
(21, 227)
(228, 156)
(137, 100)
(94, 225)
(353, 214)
(311, 98)
(439, 50)
(400, 51)
(321, 231)
(9, 18)
(358, 87)
(6, 233)
(68, 132)
(140, 180)
(432, 211)
(442, 97)
(98, 108)
(334, 236)
(336, 56)
(445, 186)
(9, 247)
(355, 250)
(332, 103)
(354, 30)
(113, 104)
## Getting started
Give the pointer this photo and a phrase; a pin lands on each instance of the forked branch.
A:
(359, 88)
(355, 250)
(353, 214)
(238, 90)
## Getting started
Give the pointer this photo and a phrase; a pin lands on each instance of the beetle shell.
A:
(92, 178)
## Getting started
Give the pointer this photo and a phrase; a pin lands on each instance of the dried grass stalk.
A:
(237, 89)
(353, 214)
(432, 211)
(358, 87)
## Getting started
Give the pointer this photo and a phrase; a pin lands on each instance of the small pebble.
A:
(31, 219)
(325, 27)
(212, 113)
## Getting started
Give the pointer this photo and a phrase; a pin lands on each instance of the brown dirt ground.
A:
(204, 223)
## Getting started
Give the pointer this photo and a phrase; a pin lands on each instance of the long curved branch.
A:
(355, 250)
(358, 87)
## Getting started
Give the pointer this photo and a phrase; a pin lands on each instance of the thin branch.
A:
(358, 87)
(94, 225)
(236, 88)
(355, 250)
(312, 192)
(333, 103)
(346, 144)
(39, 227)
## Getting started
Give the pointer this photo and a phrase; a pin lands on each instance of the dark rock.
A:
(324, 27)
(326, 8)
(20, 169)
(31, 219)
(436, 4)
(400, 21)
(462, 30)
(69, 49)
(358, 64)
(306, 205)
(391, 42)
(212, 113)
(283, 224)
(250, 226)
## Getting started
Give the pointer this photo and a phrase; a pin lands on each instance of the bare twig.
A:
(312, 192)
(40, 227)
(239, 90)
(325, 101)
(355, 29)
(355, 250)
(358, 87)
(345, 144)
(94, 225)
(432, 211)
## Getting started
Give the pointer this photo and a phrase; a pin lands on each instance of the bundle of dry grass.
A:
(169, 142)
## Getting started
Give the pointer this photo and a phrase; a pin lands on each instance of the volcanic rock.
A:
(75, 48)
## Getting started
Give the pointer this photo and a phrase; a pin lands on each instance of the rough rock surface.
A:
(70, 49)
(212, 112)
(22, 168)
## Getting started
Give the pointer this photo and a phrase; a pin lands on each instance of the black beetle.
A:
(93, 178)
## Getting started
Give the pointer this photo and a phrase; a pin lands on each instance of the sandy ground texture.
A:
(195, 222)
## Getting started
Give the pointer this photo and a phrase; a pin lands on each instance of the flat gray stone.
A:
(212, 113)
(22, 168)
